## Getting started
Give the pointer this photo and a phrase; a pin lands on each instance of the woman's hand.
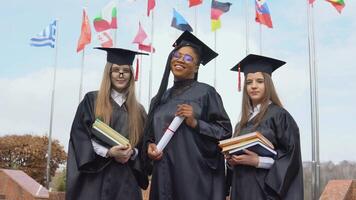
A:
(249, 158)
(153, 152)
(120, 153)
(185, 110)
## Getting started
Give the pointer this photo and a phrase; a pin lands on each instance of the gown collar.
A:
(255, 110)
(118, 97)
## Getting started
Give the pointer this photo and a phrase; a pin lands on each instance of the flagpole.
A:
(115, 39)
(314, 104)
(215, 59)
(81, 76)
(260, 32)
(195, 21)
(151, 60)
(140, 78)
(49, 150)
(247, 27)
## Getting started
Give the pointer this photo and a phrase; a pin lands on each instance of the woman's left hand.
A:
(249, 158)
(185, 110)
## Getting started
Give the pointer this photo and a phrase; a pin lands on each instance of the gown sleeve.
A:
(288, 164)
(214, 121)
(86, 158)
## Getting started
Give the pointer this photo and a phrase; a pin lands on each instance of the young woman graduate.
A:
(94, 169)
(191, 166)
(253, 176)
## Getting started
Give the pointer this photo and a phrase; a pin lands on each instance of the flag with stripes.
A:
(217, 9)
(47, 37)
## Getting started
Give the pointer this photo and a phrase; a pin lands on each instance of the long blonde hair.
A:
(270, 95)
(103, 106)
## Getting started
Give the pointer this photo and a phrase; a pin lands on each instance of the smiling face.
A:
(255, 87)
(184, 63)
(120, 77)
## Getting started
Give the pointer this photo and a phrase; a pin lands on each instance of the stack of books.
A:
(254, 141)
(108, 135)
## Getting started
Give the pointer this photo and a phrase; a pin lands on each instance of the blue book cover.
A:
(257, 147)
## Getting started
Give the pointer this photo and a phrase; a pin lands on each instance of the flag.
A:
(263, 15)
(217, 9)
(105, 39)
(150, 5)
(140, 36)
(311, 1)
(147, 48)
(107, 19)
(47, 37)
(194, 2)
(85, 34)
(338, 4)
(179, 22)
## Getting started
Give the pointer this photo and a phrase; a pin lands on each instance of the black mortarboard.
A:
(120, 56)
(256, 63)
(206, 54)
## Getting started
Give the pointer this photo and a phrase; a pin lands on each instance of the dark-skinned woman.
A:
(191, 166)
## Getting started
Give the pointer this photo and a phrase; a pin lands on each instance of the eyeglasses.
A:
(124, 71)
(186, 57)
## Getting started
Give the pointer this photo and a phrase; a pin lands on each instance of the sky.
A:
(26, 73)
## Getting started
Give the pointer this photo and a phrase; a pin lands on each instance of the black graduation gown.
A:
(284, 180)
(90, 176)
(192, 166)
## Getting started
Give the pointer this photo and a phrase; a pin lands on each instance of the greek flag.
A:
(47, 37)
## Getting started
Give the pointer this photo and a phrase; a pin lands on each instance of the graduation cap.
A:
(206, 54)
(256, 63)
(120, 56)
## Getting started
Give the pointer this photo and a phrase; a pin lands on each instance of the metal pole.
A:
(260, 38)
(81, 76)
(151, 61)
(247, 27)
(49, 151)
(140, 78)
(314, 105)
(196, 21)
(215, 59)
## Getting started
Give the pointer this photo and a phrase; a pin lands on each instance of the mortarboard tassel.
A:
(239, 79)
(136, 71)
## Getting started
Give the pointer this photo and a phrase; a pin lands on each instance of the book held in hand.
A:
(254, 141)
(108, 135)
(257, 147)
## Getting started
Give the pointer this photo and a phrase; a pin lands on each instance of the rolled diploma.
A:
(177, 121)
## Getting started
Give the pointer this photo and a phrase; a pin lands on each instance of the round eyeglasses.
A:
(186, 57)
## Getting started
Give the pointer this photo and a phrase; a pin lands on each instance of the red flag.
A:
(85, 34)
(311, 1)
(147, 48)
(140, 36)
(151, 4)
(194, 2)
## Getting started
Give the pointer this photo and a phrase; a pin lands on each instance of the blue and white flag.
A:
(179, 22)
(47, 37)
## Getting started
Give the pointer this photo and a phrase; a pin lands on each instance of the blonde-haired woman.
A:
(253, 176)
(96, 170)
